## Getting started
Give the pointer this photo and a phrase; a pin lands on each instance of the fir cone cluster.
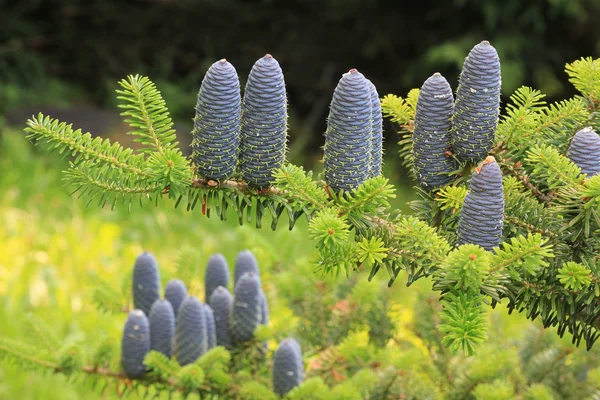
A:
(584, 151)
(482, 216)
(179, 324)
(353, 140)
(246, 135)
(464, 129)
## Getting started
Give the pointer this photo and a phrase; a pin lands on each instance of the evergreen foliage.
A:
(544, 263)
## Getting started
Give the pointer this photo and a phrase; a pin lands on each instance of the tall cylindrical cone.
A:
(162, 327)
(191, 335)
(264, 123)
(348, 143)
(482, 214)
(221, 303)
(477, 104)
(135, 344)
(376, 133)
(431, 138)
(287, 367)
(584, 151)
(246, 312)
(216, 134)
(216, 274)
(175, 292)
(210, 327)
(145, 282)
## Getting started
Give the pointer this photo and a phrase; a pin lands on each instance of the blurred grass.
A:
(52, 248)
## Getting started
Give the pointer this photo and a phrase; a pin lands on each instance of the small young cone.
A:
(145, 282)
(584, 151)
(216, 274)
(221, 303)
(175, 292)
(348, 141)
(264, 123)
(216, 134)
(245, 262)
(191, 336)
(482, 216)
(162, 327)
(431, 137)
(135, 344)
(287, 367)
(477, 104)
(376, 133)
(246, 312)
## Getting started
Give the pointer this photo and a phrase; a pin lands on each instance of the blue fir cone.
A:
(135, 344)
(221, 304)
(162, 327)
(348, 141)
(264, 309)
(191, 335)
(584, 151)
(432, 162)
(216, 274)
(216, 134)
(210, 327)
(376, 133)
(246, 312)
(146, 282)
(477, 104)
(287, 367)
(264, 123)
(482, 214)
(175, 292)
(245, 262)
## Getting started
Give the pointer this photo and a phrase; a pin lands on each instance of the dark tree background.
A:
(61, 53)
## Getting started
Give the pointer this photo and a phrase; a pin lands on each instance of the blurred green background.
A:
(65, 58)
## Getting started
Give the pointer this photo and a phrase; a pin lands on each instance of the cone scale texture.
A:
(348, 141)
(216, 274)
(376, 133)
(216, 134)
(146, 282)
(264, 123)
(431, 137)
(175, 292)
(246, 312)
(477, 104)
(210, 327)
(245, 262)
(482, 214)
(287, 367)
(191, 336)
(135, 344)
(584, 151)
(162, 327)
(221, 303)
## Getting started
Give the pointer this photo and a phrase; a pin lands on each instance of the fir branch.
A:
(553, 168)
(148, 114)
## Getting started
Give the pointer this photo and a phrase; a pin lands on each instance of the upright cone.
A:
(135, 344)
(145, 282)
(477, 104)
(431, 137)
(482, 216)
(376, 133)
(584, 151)
(216, 134)
(264, 123)
(348, 142)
